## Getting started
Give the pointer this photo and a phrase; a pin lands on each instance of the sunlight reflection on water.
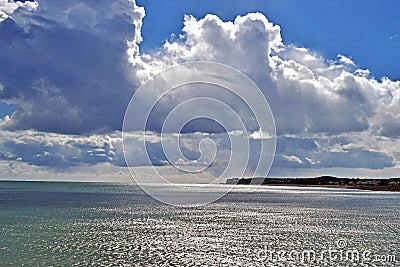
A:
(82, 224)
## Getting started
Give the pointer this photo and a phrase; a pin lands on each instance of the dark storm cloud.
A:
(66, 65)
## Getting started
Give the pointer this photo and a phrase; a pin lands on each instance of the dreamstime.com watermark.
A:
(339, 253)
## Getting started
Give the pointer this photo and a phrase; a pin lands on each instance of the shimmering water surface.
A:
(67, 224)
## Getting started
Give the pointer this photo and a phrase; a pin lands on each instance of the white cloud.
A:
(307, 92)
(311, 161)
(346, 60)
(292, 158)
(7, 8)
(260, 134)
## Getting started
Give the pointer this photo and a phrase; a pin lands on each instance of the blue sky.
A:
(69, 68)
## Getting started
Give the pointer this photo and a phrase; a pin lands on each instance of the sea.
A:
(99, 224)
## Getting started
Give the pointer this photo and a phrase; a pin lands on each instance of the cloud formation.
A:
(71, 67)
(307, 92)
(65, 64)
(7, 8)
(60, 150)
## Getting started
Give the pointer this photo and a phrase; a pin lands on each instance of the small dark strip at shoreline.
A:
(383, 184)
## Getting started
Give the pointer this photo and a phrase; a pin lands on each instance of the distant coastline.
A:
(383, 184)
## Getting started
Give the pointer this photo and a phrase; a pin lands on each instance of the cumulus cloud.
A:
(71, 67)
(76, 78)
(307, 93)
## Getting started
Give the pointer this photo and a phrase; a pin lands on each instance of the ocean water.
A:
(82, 224)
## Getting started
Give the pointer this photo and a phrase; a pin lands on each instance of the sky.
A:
(68, 70)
